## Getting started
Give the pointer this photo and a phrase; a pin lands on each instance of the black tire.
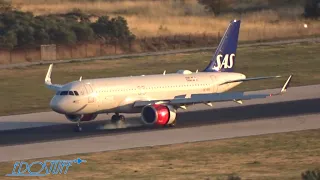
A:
(122, 118)
(114, 119)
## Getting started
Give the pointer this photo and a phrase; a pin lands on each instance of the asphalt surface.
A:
(298, 109)
(159, 53)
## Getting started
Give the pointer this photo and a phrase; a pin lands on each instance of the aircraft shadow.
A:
(185, 119)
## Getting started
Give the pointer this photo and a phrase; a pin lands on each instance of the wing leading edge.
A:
(213, 97)
(250, 79)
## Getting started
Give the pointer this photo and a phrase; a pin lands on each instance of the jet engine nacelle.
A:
(158, 114)
(83, 117)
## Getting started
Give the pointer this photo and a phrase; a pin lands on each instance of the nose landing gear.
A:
(78, 128)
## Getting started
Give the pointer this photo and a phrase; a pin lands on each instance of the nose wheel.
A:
(78, 128)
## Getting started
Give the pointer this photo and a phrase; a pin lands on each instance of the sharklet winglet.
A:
(48, 82)
(48, 76)
(286, 85)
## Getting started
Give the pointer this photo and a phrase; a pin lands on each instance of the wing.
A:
(250, 79)
(213, 97)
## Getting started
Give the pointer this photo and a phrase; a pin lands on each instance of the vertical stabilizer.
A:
(223, 59)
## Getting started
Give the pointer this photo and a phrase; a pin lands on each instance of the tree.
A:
(42, 36)
(62, 35)
(102, 25)
(23, 29)
(25, 35)
(119, 28)
(83, 31)
(112, 28)
(9, 40)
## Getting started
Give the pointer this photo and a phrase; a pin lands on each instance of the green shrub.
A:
(21, 29)
(112, 28)
(311, 175)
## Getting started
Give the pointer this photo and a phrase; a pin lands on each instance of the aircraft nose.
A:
(66, 105)
(56, 105)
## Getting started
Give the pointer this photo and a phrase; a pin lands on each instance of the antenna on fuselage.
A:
(197, 71)
(164, 72)
(80, 78)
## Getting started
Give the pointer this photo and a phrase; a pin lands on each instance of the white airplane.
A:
(156, 97)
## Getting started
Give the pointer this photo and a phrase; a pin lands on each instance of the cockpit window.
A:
(63, 93)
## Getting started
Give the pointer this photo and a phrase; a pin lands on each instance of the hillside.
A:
(154, 18)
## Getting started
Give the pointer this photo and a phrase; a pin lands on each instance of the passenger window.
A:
(76, 93)
(71, 93)
(63, 93)
(58, 93)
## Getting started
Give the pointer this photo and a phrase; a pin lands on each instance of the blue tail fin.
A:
(225, 55)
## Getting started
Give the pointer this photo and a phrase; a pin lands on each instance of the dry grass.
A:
(154, 18)
(142, 7)
(276, 156)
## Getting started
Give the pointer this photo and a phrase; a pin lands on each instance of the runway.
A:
(49, 134)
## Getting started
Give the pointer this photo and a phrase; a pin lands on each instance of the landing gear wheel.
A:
(122, 118)
(114, 119)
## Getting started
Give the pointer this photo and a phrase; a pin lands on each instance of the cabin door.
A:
(141, 90)
(90, 94)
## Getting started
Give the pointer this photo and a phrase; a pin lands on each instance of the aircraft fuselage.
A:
(118, 94)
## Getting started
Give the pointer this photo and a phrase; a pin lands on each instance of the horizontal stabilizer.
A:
(250, 79)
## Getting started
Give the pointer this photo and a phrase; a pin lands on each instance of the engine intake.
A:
(83, 117)
(158, 114)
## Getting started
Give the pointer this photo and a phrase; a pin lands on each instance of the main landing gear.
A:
(116, 119)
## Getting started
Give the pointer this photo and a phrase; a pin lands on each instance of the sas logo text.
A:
(225, 62)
